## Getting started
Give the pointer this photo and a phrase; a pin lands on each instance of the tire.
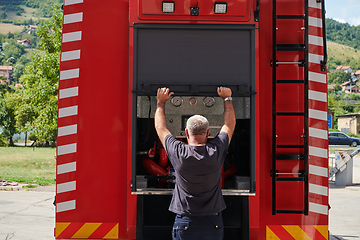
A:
(354, 144)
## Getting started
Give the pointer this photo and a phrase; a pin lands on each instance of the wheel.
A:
(354, 144)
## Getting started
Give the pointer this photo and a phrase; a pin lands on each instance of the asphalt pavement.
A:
(344, 216)
(29, 215)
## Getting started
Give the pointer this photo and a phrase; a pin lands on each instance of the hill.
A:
(343, 33)
(339, 54)
(26, 9)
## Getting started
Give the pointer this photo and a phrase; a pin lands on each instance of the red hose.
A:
(163, 158)
(152, 167)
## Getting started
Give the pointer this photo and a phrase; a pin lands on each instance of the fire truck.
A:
(114, 179)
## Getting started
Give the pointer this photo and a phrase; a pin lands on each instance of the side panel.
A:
(92, 127)
(297, 226)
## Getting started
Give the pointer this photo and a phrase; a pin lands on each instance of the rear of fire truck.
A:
(114, 179)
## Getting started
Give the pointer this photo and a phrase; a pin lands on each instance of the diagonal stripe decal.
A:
(270, 235)
(323, 229)
(296, 232)
(60, 227)
(86, 230)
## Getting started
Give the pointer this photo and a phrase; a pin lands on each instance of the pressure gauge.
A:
(192, 101)
(176, 101)
(209, 101)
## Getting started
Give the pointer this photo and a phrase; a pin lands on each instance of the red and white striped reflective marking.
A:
(65, 151)
(318, 131)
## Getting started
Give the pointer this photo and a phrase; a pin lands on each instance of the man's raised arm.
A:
(229, 112)
(163, 94)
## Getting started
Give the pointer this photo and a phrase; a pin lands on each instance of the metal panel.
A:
(184, 56)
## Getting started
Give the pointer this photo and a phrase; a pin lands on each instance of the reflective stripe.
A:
(319, 96)
(318, 152)
(317, 77)
(66, 187)
(70, 2)
(317, 189)
(71, 37)
(315, 40)
(66, 168)
(68, 74)
(315, 22)
(318, 133)
(68, 92)
(318, 208)
(68, 111)
(66, 149)
(67, 130)
(318, 171)
(73, 18)
(314, 58)
(317, 114)
(314, 4)
(65, 206)
(70, 55)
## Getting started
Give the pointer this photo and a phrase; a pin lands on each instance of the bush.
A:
(32, 137)
(3, 141)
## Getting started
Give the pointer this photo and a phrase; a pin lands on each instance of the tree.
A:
(338, 77)
(7, 117)
(337, 88)
(36, 103)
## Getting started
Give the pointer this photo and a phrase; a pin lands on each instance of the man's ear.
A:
(187, 132)
(208, 133)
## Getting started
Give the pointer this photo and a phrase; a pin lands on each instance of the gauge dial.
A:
(209, 101)
(192, 101)
(177, 101)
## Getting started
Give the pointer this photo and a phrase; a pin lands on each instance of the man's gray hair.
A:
(197, 125)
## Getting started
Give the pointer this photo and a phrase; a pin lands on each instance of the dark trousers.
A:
(197, 228)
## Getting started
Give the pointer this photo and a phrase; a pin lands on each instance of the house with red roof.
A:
(344, 68)
(27, 43)
(350, 87)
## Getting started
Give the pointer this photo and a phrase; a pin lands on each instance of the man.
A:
(197, 199)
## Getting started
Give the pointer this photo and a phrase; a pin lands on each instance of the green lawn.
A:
(28, 165)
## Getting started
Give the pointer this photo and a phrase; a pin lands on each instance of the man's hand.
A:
(229, 112)
(224, 92)
(163, 94)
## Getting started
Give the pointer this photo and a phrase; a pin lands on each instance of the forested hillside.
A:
(42, 8)
(344, 34)
(343, 50)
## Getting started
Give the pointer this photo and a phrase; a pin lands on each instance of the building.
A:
(27, 43)
(354, 77)
(344, 68)
(4, 70)
(357, 74)
(349, 123)
(350, 87)
(32, 28)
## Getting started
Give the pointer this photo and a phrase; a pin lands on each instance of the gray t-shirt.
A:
(197, 169)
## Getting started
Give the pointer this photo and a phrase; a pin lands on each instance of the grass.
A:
(29, 13)
(7, 27)
(27, 165)
(341, 52)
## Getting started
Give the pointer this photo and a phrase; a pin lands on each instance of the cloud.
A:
(340, 20)
(355, 21)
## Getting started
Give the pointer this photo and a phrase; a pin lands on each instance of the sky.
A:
(343, 11)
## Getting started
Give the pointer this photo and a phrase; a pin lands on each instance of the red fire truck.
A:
(114, 180)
